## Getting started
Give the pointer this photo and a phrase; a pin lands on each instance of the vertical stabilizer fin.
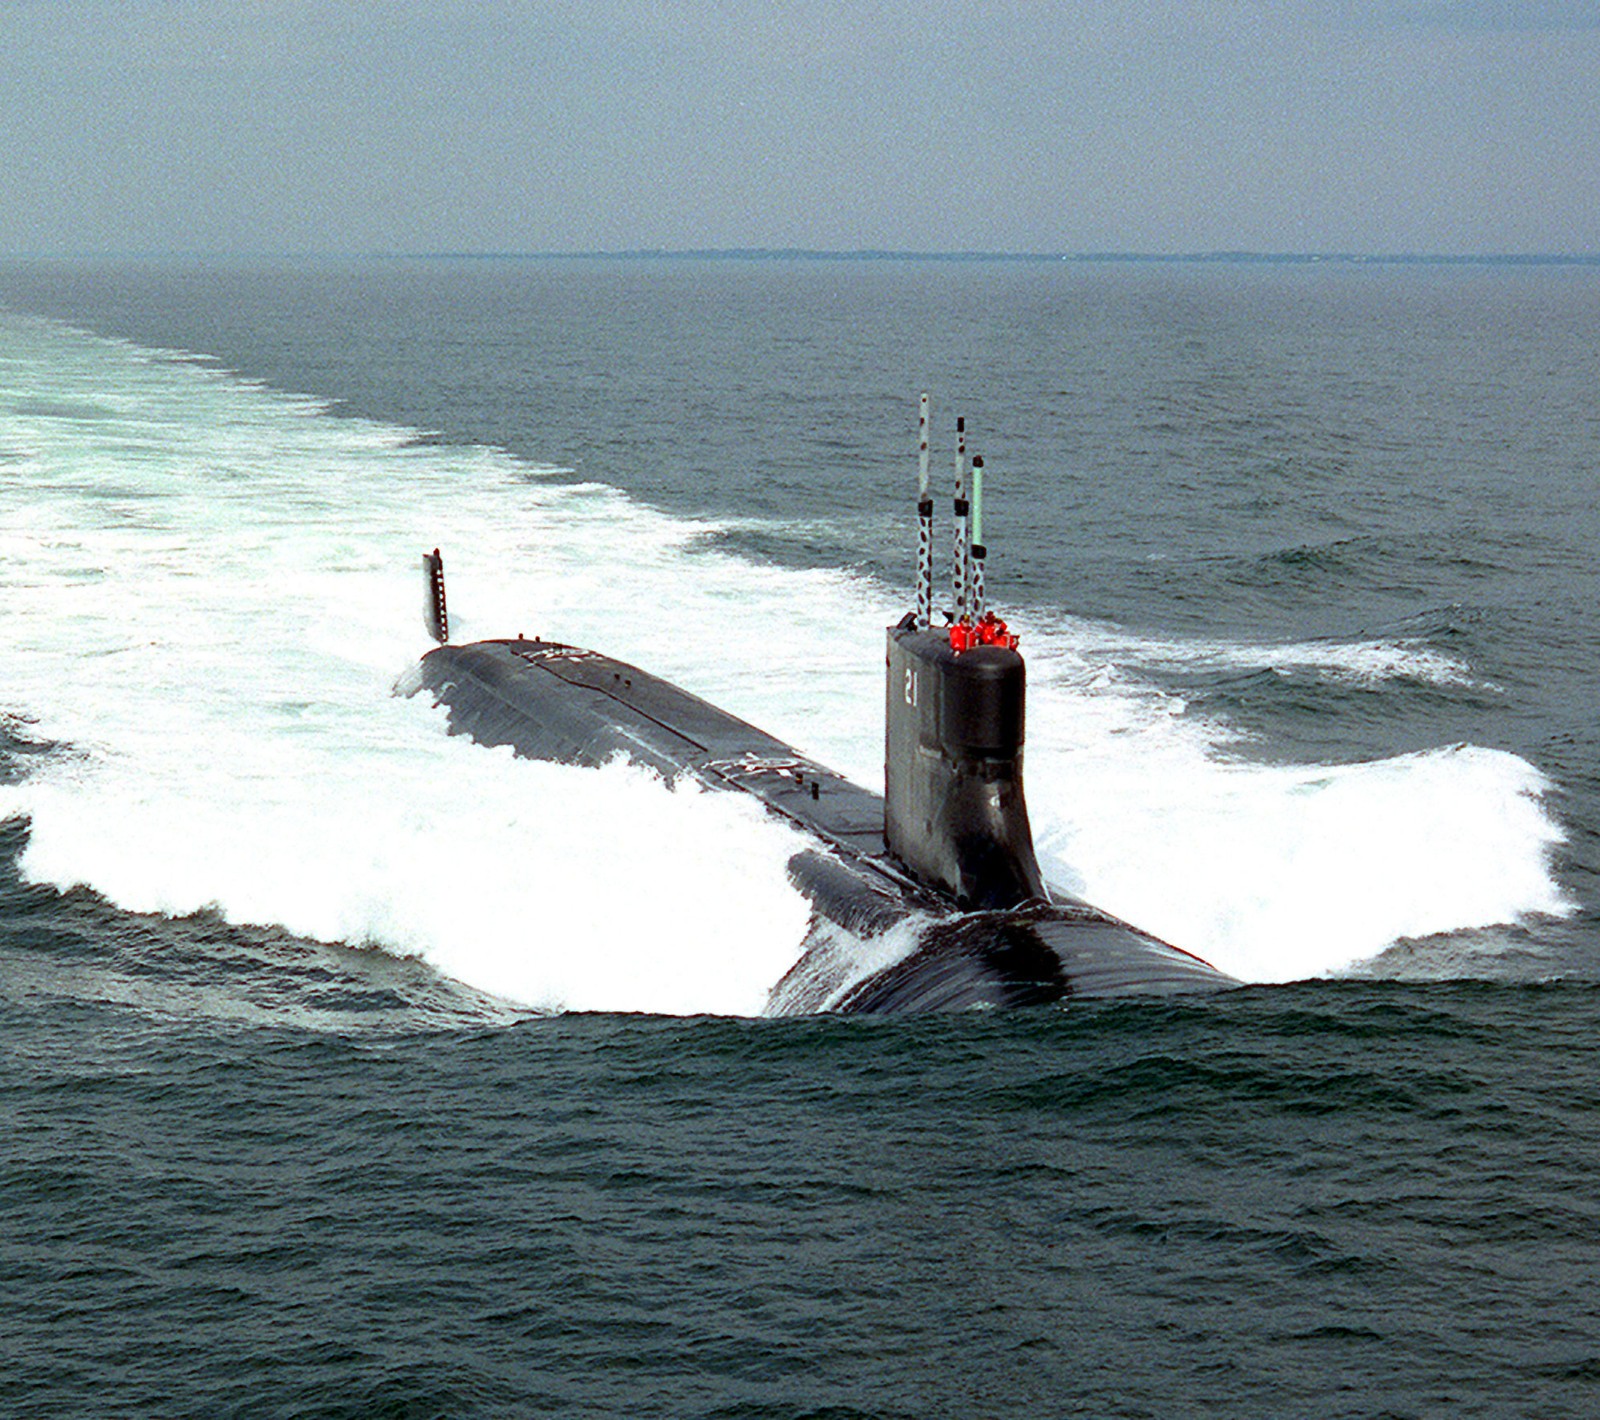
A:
(434, 616)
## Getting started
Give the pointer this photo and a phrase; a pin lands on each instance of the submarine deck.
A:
(551, 701)
(557, 702)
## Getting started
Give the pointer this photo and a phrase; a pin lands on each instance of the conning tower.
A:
(954, 812)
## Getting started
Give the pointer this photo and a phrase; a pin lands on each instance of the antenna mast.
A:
(979, 551)
(924, 524)
(961, 573)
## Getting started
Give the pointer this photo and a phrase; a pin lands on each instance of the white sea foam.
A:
(210, 588)
(1351, 662)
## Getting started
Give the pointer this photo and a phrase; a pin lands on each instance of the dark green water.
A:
(1337, 1199)
(245, 1173)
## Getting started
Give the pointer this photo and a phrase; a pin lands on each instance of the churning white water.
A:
(211, 587)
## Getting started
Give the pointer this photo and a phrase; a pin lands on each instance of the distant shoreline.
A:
(1243, 258)
(868, 254)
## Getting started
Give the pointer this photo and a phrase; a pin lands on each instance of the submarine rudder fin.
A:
(435, 617)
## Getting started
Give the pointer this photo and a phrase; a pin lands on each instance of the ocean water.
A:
(349, 1069)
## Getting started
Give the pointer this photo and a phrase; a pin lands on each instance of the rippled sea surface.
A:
(350, 1070)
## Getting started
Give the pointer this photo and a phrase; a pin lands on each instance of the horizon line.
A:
(1221, 257)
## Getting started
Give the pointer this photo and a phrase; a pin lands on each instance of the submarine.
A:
(927, 897)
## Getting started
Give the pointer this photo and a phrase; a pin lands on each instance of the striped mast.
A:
(924, 524)
(961, 578)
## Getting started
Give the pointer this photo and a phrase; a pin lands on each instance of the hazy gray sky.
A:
(542, 125)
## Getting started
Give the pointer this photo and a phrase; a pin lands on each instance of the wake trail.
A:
(211, 588)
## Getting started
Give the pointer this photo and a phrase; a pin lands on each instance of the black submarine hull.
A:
(565, 704)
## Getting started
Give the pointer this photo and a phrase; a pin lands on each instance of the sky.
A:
(1168, 126)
